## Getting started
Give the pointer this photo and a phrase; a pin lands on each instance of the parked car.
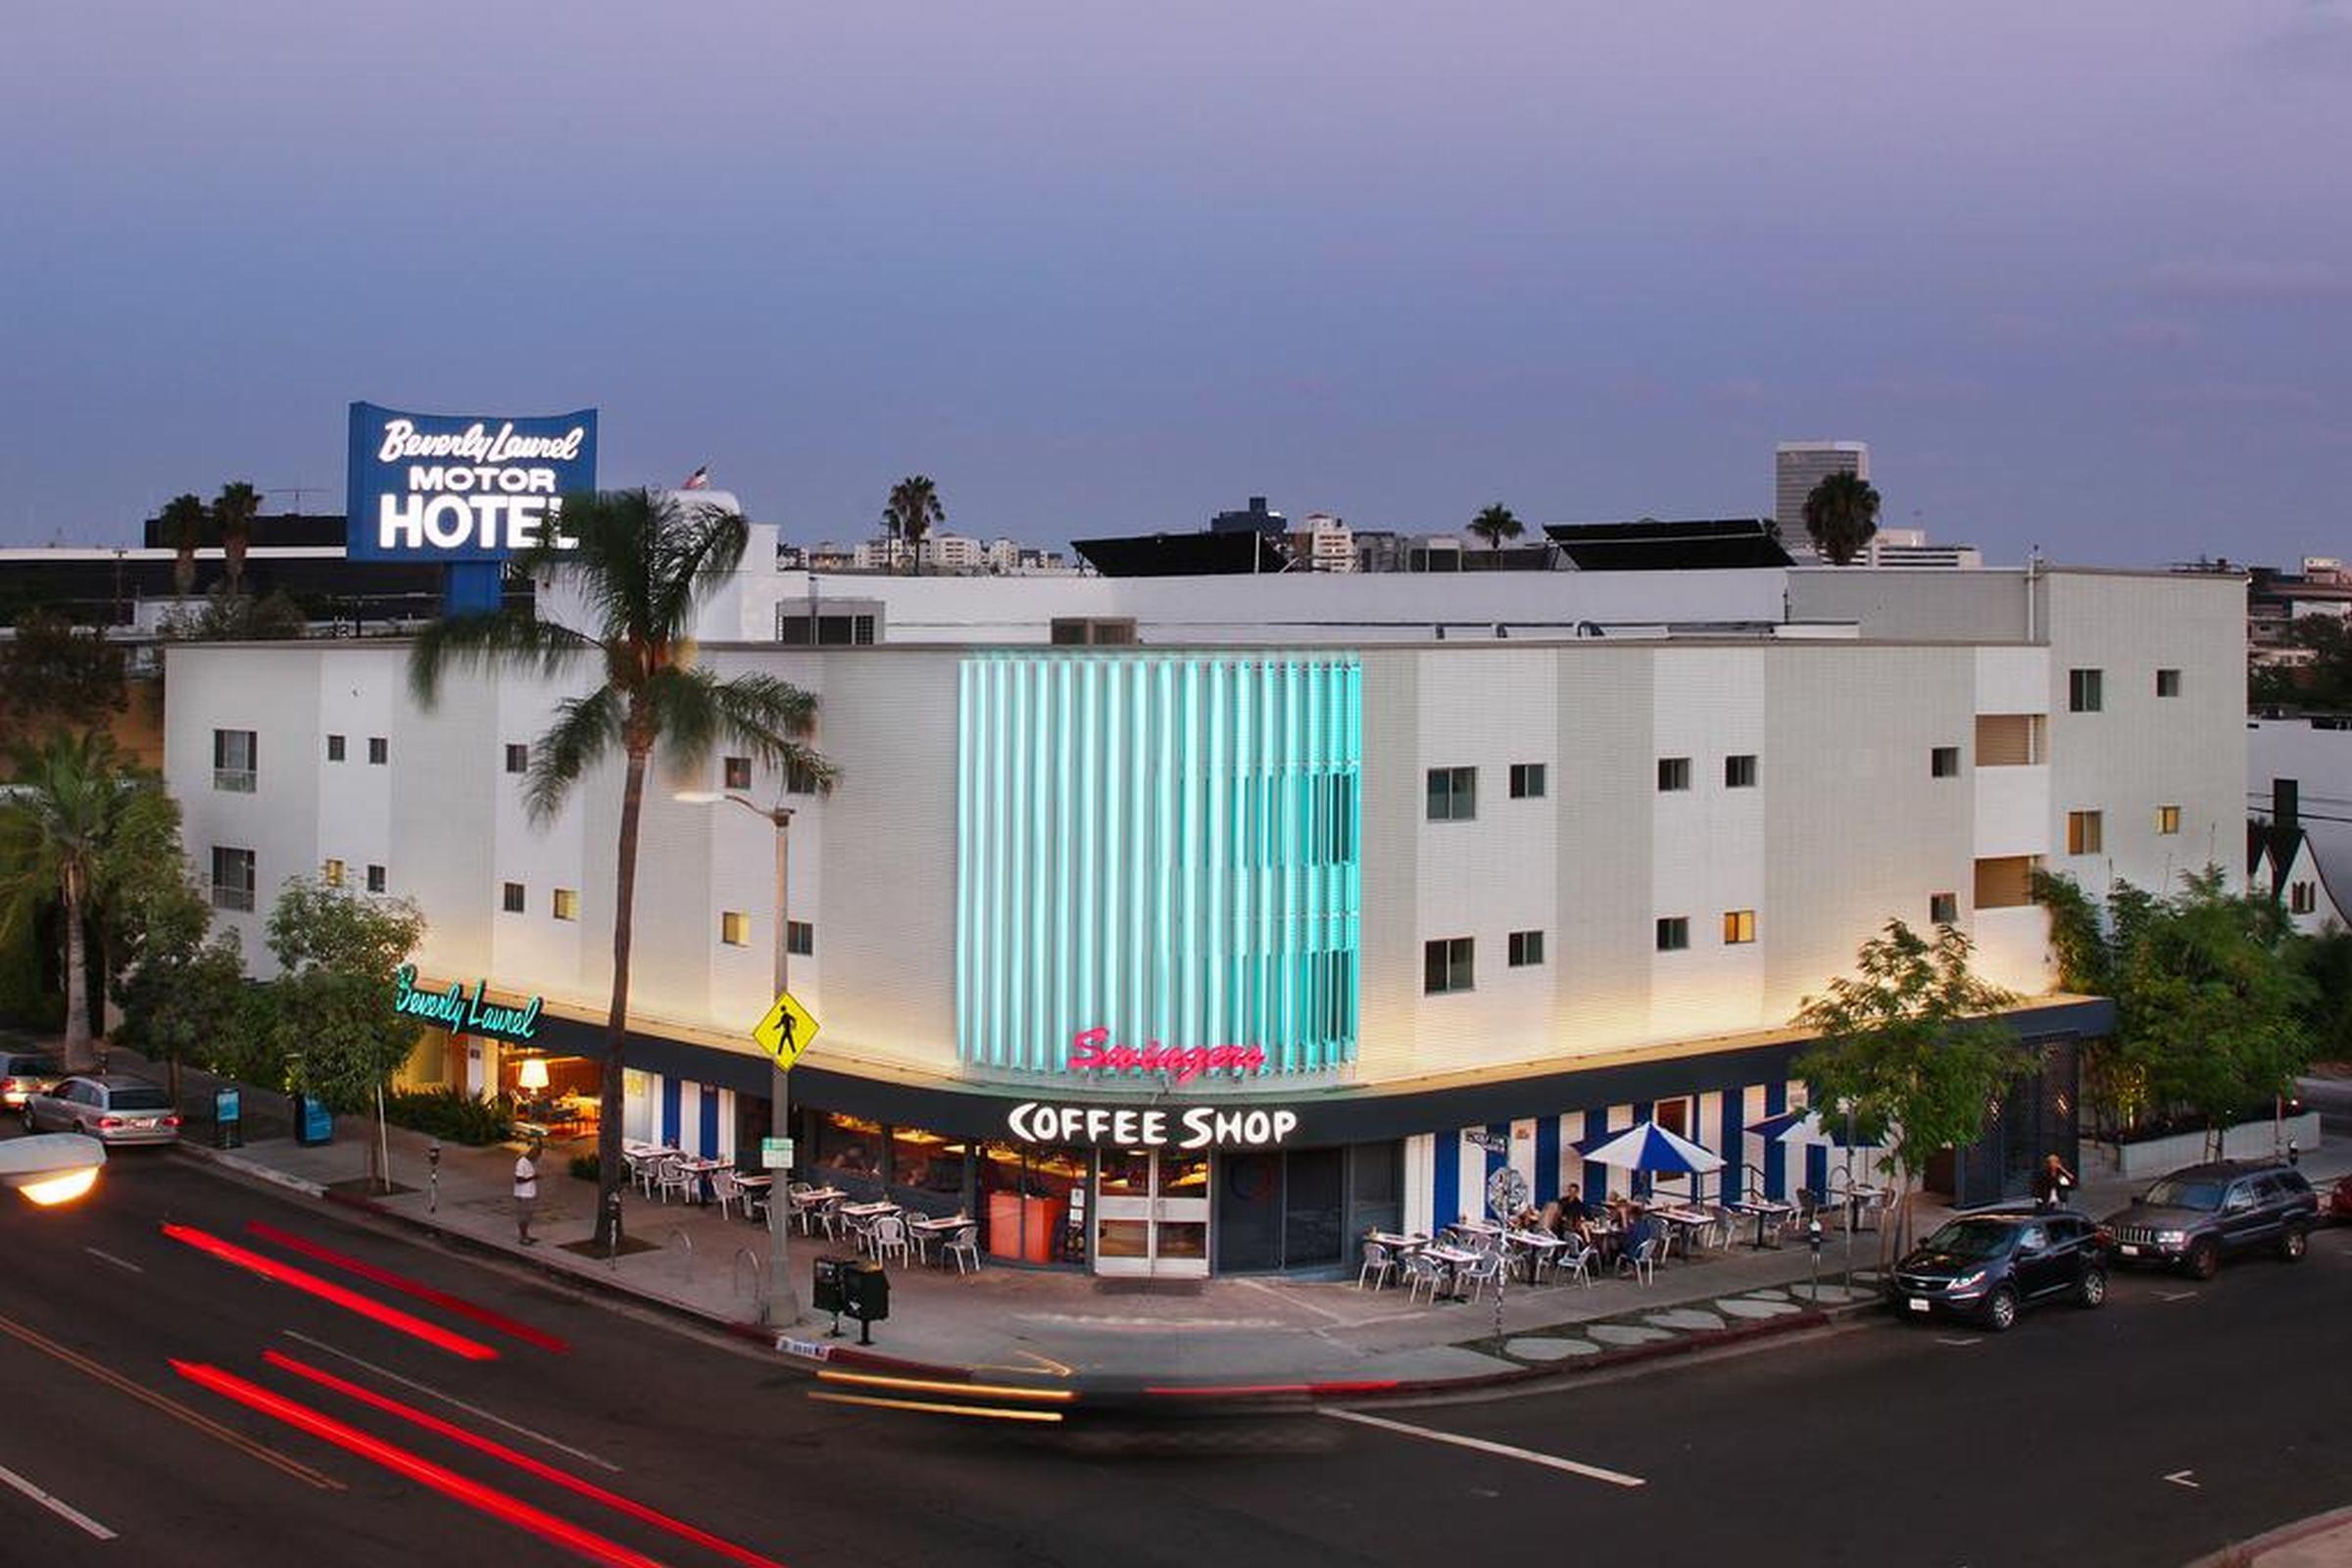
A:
(1990, 1264)
(2199, 1215)
(2341, 1201)
(112, 1111)
(25, 1073)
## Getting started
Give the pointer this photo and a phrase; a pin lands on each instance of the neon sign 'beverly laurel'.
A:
(1092, 1048)
(475, 444)
(453, 1009)
(1187, 1127)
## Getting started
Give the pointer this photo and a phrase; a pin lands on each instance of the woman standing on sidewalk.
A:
(527, 1192)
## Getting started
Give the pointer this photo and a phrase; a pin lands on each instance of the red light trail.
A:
(327, 1291)
(405, 1286)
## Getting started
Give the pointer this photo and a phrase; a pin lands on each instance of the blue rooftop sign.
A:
(453, 487)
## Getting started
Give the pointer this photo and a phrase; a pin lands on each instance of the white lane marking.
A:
(1593, 1472)
(2179, 1478)
(1964, 1343)
(2175, 1296)
(452, 1399)
(118, 1262)
(58, 1506)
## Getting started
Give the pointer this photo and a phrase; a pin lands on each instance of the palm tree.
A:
(1495, 524)
(75, 807)
(184, 520)
(641, 561)
(234, 511)
(1842, 515)
(914, 512)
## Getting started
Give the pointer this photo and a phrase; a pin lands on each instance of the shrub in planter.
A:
(585, 1167)
(451, 1115)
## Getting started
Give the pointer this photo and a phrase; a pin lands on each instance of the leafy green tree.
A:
(1910, 1047)
(78, 808)
(185, 521)
(53, 672)
(234, 512)
(642, 561)
(2214, 992)
(331, 1014)
(234, 617)
(912, 512)
(1496, 524)
(1841, 516)
(186, 999)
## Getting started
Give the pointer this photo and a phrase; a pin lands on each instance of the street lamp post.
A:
(780, 1308)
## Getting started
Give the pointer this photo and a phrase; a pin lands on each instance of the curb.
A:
(2253, 1551)
(808, 1353)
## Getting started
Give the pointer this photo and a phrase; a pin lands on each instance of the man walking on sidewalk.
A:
(527, 1192)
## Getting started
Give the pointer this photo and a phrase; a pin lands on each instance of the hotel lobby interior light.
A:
(533, 1074)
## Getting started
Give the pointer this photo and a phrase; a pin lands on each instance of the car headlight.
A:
(1969, 1282)
(2171, 1237)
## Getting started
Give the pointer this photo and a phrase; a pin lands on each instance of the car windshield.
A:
(1971, 1237)
(32, 1066)
(2176, 1192)
(139, 1099)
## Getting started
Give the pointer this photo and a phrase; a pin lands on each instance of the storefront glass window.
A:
(847, 1145)
(1026, 1199)
(927, 1170)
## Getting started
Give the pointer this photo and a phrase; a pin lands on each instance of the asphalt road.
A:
(1885, 1443)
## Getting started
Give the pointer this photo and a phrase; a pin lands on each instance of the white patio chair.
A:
(1488, 1270)
(918, 1240)
(1377, 1266)
(890, 1236)
(724, 1191)
(1641, 1263)
(1421, 1271)
(966, 1244)
(1574, 1258)
(674, 1177)
(642, 1170)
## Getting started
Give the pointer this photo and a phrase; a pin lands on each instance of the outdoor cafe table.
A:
(868, 1210)
(700, 1169)
(1764, 1209)
(1538, 1244)
(1397, 1244)
(1456, 1261)
(939, 1227)
(1687, 1222)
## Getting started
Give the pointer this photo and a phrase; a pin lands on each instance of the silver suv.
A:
(112, 1111)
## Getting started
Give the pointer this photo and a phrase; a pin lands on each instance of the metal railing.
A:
(228, 897)
(236, 780)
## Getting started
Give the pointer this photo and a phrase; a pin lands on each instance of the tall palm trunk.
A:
(232, 557)
(617, 1027)
(78, 1055)
(184, 572)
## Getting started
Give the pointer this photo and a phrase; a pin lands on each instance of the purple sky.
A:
(2082, 274)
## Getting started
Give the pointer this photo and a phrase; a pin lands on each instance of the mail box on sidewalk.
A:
(851, 1287)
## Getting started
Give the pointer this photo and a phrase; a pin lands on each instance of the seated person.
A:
(1547, 1219)
(1639, 1228)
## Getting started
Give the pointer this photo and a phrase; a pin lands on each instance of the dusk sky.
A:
(2081, 274)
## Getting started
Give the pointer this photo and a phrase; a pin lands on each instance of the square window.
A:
(2168, 819)
(1526, 781)
(567, 904)
(736, 772)
(380, 750)
(1447, 964)
(1452, 794)
(2084, 691)
(735, 928)
(2084, 835)
(1739, 926)
(331, 873)
(1526, 948)
(1739, 772)
(234, 879)
(1944, 908)
(800, 779)
(1674, 772)
(376, 879)
(334, 748)
(518, 757)
(512, 899)
(1944, 762)
(1673, 933)
(2168, 683)
(799, 939)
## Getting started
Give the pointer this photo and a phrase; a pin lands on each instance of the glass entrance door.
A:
(1151, 1214)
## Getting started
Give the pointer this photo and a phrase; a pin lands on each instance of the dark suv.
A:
(25, 1073)
(2197, 1216)
(1988, 1264)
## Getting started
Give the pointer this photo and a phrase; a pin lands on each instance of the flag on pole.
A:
(699, 479)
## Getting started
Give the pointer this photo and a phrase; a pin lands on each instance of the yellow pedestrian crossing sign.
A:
(786, 1030)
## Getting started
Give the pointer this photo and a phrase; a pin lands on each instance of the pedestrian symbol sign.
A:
(786, 1030)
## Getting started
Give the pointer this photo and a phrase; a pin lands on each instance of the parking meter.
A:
(1813, 1240)
(432, 1162)
(2294, 1155)
(614, 1204)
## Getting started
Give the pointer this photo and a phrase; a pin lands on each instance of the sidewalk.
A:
(1111, 1334)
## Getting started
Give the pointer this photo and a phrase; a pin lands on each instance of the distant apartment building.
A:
(1324, 543)
(1798, 465)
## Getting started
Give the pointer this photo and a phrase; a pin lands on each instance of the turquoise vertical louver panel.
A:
(1161, 846)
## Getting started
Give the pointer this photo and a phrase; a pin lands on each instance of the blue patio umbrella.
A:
(1806, 1126)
